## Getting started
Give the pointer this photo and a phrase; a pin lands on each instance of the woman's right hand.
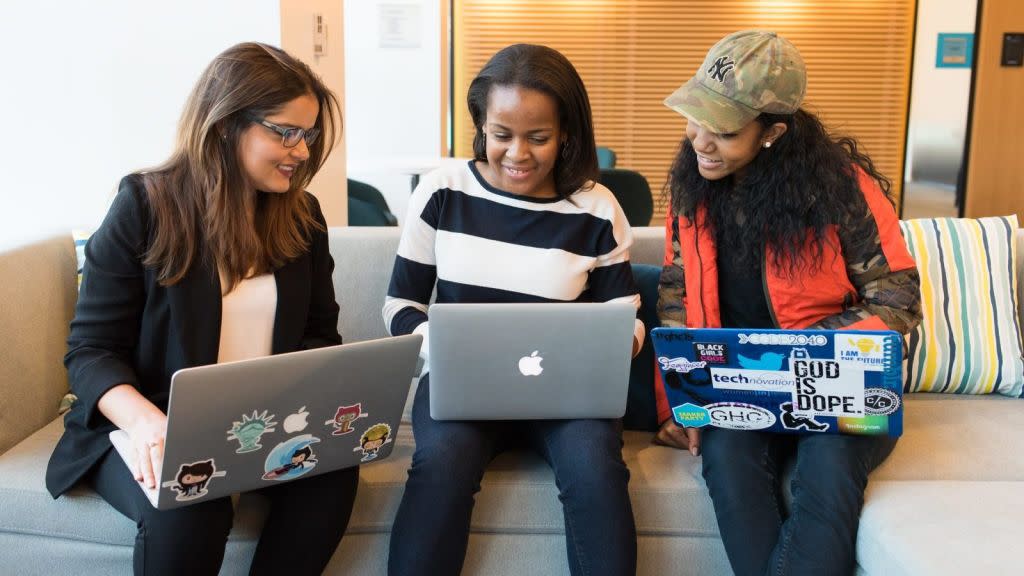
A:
(671, 434)
(147, 437)
(146, 426)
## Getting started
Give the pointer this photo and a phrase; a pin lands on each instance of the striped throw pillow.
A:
(969, 341)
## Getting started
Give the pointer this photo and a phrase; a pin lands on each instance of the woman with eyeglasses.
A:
(216, 255)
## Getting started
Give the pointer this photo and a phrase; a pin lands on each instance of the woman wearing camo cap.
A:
(778, 225)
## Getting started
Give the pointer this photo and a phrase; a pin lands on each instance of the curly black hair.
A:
(804, 183)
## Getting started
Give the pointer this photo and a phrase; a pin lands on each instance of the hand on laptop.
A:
(671, 434)
(145, 424)
(147, 438)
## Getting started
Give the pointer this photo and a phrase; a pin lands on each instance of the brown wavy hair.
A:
(545, 70)
(201, 207)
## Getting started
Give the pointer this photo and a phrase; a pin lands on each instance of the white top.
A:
(247, 319)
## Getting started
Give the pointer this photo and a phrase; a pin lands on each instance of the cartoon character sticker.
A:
(291, 458)
(796, 421)
(249, 430)
(344, 418)
(191, 481)
(373, 440)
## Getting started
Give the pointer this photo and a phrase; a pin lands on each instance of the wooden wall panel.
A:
(995, 165)
(633, 53)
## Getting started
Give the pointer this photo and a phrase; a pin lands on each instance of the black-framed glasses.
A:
(290, 136)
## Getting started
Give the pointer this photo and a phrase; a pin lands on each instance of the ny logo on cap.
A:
(720, 68)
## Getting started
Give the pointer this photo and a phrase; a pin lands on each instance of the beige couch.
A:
(950, 500)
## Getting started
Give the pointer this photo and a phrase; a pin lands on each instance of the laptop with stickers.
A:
(245, 425)
(786, 381)
(530, 361)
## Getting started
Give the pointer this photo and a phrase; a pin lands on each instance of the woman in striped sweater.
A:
(524, 221)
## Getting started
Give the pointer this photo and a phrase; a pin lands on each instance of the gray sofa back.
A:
(363, 259)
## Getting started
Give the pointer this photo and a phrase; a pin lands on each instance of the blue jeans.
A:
(431, 529)
(743, 473)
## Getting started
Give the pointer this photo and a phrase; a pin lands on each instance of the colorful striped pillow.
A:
(969, 341)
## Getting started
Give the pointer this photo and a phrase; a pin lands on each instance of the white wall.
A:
(393, 108)
(93, 90)
(940, 96)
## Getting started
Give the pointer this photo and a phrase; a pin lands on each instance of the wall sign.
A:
(955, 51)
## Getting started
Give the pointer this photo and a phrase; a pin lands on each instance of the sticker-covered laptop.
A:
(786, 381)
(250, 424)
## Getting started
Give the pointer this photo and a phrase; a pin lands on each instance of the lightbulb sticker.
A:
(868, 350)
(250, 429)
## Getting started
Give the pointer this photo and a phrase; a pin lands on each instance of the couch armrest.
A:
(37, 301)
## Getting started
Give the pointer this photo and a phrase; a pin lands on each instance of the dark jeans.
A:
(431, 529)
(306, 521)
(743, 472)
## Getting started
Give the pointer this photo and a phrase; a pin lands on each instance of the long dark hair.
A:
(199, 192)
(803, 184)
(545, 70)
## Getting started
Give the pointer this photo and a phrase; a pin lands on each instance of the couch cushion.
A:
(80, 515)
(969, 339)
(37, 300)
(953, 437)
(939, 528)
(518, 493)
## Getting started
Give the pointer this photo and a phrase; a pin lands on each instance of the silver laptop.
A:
(529, 361)
(246, 425)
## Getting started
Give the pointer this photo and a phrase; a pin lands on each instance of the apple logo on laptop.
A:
(296, 422)
(530, 365)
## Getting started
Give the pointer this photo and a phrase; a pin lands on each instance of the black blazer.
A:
(130, 330)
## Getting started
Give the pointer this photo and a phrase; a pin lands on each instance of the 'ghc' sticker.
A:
(880, 401)
(739, 416)
(680, 364)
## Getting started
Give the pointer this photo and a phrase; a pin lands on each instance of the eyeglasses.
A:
(290, 136)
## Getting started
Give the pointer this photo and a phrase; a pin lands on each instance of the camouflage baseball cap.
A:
(744, 74)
